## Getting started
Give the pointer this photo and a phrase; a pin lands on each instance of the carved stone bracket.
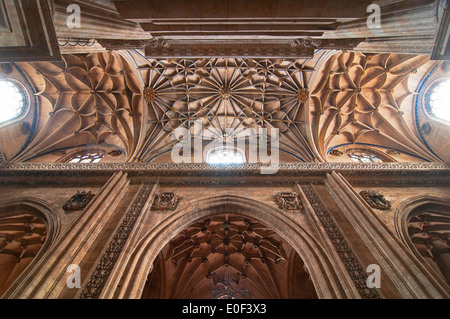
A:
(289, 201)
(78, 201)
(375, 200)
(166, 201)
(343, 248)
(97, 280)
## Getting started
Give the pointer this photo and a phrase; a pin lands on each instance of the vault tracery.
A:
(21, 238)
(225, 255)
(227, 95)
(359, 99)
(94, 99)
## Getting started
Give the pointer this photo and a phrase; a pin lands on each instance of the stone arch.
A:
(317, 258)
(45, 212)
(416, 207)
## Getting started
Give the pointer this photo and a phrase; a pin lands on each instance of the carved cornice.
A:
(398, 174)
(350, 169)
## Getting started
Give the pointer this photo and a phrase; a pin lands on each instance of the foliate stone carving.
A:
(78, 201)
(289, 201)
(166, 201)
(96, 282)
(405, 173)
(375, 200)
(331, 44)
(155, 42)
(346, 253)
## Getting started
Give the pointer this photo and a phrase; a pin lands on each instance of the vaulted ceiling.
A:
(85, 100)
(228, 256)
(134, 103)
(363, 99)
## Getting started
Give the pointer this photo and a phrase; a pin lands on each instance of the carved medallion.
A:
(427, 128)
(78, 201)
(165, 201)
(289, 201)
(375, 200)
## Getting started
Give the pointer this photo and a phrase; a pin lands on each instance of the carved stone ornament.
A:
(289, 202)
(375, 200)
(78, 201)
(165, 201)
(351, 262)
(98, 278)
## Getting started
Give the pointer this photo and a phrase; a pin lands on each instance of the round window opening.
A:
(13, 101)
(438, 100)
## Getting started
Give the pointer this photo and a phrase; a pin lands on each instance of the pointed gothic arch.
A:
(23, 210)
(329, 276)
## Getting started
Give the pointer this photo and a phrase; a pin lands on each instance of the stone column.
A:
(79, 245)
(402, 274)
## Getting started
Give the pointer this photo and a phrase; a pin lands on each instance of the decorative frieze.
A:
(343, 248)
(78, 201)
(97, 280)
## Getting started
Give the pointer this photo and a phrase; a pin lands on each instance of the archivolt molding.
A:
(316, 258)
(407, 210)
(52, 220)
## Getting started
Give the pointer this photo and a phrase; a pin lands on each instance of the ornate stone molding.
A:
(398, 173)
(98, 278)
(329, 44)
(347, 168)
(343, 248)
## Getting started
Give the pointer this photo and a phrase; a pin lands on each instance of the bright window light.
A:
(87, 158)
(225, 155)
(12, 101)
(439, 102)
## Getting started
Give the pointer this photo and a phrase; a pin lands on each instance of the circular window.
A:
(437, 101)
(13, 101)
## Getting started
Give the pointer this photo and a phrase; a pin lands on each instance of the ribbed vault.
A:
(361, 99)
(228, 256)
(226, 96)
(86, 99)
